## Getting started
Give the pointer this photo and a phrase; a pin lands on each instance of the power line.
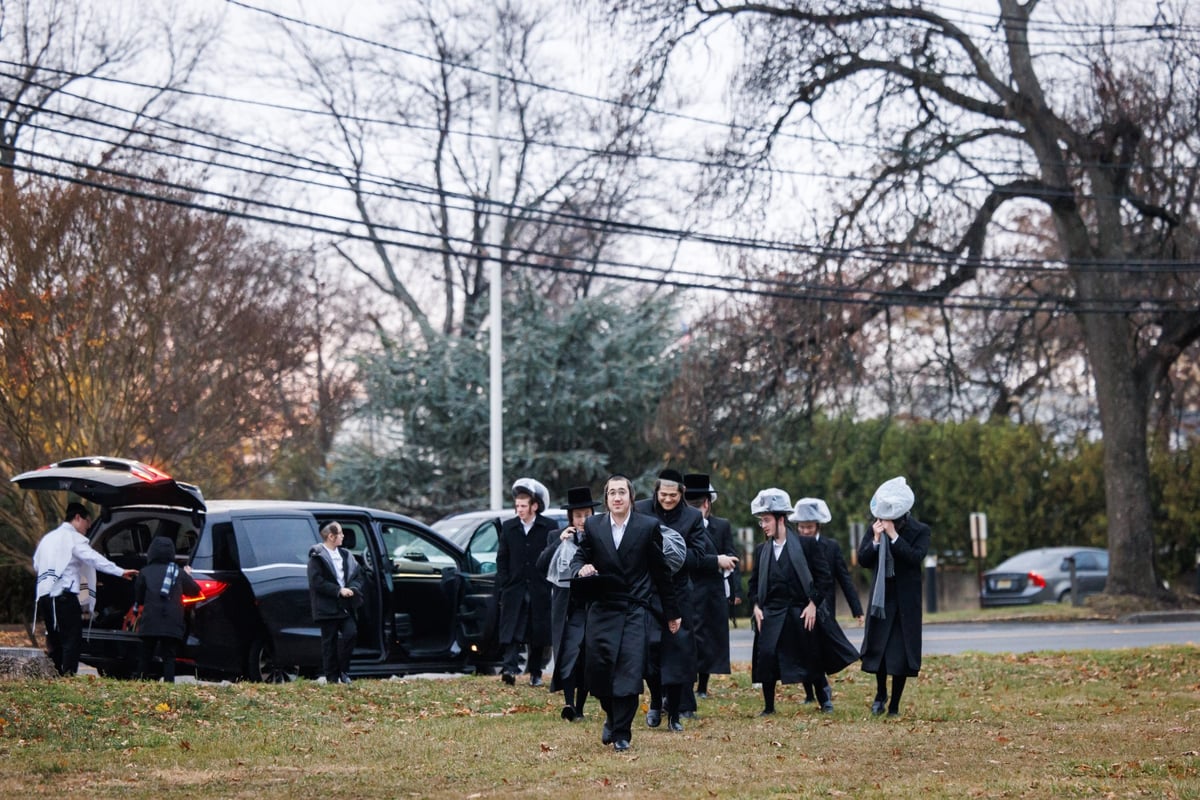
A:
(1039, 266)
(1032, 25)
(756, 166)
(607, 152)
(797, 291)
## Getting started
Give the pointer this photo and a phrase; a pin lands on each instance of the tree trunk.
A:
(1124, 417)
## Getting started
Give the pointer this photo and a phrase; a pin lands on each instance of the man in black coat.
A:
(524, 592)
(671, 669)
(809, 515)
(710, 584)
(896, 551)
(795, 640)
(620, 568)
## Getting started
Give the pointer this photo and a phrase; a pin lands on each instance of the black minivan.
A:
(430, 604)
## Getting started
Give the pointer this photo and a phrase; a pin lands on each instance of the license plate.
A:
(1004, 583)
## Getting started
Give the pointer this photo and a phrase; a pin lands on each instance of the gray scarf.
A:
(883, 570)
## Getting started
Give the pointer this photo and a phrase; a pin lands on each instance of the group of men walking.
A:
(638, 596)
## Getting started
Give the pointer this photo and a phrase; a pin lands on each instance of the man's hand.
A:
(129, 574)
(674, 625)
(758, 615)
(727, 562)
(809, 615)
(586, 571)
(345, 591)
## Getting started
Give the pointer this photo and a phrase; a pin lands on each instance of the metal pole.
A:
(496, 309)
(931, 593)
(1198, 570)
(1075, 600)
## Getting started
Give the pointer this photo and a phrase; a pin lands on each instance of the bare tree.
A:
(49, 48)
(144, 330)
(1086, 122)
(412, 128)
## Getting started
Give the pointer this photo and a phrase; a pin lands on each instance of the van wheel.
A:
(262, 667)
(1065, 597)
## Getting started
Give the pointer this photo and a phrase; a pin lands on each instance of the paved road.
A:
(1018, 637)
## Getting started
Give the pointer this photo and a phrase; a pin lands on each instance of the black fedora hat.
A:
(697, 485)
(579, 497)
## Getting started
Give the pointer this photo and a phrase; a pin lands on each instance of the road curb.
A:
(1150, 617)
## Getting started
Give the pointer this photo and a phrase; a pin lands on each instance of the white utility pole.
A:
(492, 241)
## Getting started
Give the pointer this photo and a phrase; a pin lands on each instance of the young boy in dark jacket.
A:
(158, 591)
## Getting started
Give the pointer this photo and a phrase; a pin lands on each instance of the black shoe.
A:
(827, 700)
(621, 745)
(606, 732)
(343, 678)
(877, 707)
(893, 713)
(673, 724)
(579, 717)
(810, 699)
(509, 678)
(535, 680)
(653, 718)
(766, 712)
(687, 714)
(702, 695)
(568, 713)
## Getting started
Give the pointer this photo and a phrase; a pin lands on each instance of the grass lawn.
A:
(1120, 723)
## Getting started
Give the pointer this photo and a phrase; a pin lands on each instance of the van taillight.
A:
(1037, 580)
(209, 589)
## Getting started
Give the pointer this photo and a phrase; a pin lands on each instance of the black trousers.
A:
(63, 617)
(621, 711)
(166, 646)
(337, 645)
(535, 661)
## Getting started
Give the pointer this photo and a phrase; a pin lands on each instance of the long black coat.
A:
(323, 588)
(677, 662)
(711, 605)
(619, 622)
(518, 578)
(902, 602)
(162, 616)
(839, 573)
(568, 619)
(825, 648)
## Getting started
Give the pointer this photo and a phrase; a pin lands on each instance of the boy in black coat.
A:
(158, 591)
(335, 586)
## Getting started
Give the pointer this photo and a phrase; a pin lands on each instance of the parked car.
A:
(477, 533)
(1044, 576)
(428, 606)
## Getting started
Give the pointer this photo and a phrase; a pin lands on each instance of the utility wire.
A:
(797, 291)
(448, 199)
(574, 221)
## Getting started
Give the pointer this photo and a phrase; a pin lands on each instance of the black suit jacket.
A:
(839, 573)
(619, 617)
(517, 576)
